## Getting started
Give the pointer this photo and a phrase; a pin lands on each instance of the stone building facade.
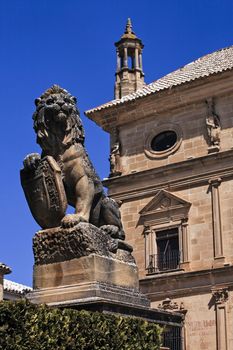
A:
(10, 290)
(173, 175)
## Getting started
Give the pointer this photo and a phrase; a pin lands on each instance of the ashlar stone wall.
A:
(189, 187)
(190, 122)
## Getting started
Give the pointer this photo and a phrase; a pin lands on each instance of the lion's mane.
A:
(73, 124)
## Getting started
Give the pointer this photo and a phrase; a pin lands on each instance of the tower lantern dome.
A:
(129, 73)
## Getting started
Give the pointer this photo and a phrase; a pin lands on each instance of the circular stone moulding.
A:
(163, 141)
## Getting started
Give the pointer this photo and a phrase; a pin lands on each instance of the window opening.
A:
(163, 141)
(122, 61)
(130, 62)
(168, 251)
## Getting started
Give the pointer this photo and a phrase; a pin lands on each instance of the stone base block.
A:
(87, 279)
(103, 297)
(218, 262)
(96, 283)
(92, 268)
(91, 295)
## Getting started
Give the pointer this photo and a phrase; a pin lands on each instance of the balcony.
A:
(172, 338)
(164, 261)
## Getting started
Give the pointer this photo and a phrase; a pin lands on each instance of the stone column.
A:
(140, 60)
(125, 57)
(118, 61)
(216, 213)
(149, 235)
(147, 245)
(136, 59)
(220, 297)
(185, 241)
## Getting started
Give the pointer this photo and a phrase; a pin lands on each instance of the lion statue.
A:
(60, 134)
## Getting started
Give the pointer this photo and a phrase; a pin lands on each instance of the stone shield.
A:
(45, 193)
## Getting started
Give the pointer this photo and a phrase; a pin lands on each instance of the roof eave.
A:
(111, 105)
(106, 117)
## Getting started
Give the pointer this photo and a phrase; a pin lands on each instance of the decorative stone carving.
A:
(170, 211)
(59, 244)
(115, 156)
(164, 205)
(213, 126)
(169, 305)
(220, 295)
(64, 173)
(44, 190)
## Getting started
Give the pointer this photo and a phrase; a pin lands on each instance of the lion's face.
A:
(57, 107)
(56, 120)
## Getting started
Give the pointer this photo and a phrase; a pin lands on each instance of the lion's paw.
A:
(71, 220)
(114, 231)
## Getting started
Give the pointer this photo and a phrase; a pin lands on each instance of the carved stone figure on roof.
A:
(115, 156)
(213, 126)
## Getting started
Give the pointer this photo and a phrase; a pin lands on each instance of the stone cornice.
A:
(186, 283)
(166, 100)
(172, 177)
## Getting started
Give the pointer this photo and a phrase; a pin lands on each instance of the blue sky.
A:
(71, 43)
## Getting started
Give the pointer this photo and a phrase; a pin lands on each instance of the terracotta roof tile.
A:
(10, 286)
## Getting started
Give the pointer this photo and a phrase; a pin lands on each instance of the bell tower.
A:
(129, 74)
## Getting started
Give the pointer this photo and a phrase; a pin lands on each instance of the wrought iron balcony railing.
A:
(172, 338)
(163, 262)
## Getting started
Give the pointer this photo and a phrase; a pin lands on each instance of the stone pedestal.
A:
(96, 283)
(88, 269)
(91, 280)
(84, 267)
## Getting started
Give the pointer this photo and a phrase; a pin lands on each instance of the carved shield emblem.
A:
(45, 193)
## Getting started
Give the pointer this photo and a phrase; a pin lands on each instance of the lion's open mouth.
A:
(61, 114)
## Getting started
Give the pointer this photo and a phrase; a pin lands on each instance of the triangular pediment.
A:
(164, 201)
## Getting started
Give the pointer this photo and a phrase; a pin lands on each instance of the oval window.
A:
(163, 141)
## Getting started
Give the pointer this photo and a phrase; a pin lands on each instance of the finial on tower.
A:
(128, 31)
(128, 28)
(129, 74)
